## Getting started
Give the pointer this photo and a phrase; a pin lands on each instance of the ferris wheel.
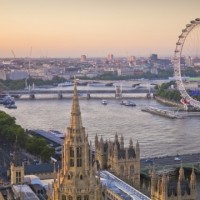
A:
(187, 54)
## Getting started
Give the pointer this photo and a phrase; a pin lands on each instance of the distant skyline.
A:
(95, 28)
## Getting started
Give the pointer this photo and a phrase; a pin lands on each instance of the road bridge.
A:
(83, 91)
(80, 91)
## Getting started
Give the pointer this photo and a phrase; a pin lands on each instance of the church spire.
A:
(76, 172)
(181, 173)
(75, 121)
(16, 159)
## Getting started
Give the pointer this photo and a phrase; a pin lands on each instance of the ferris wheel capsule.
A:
(181, 36)
(184, 30)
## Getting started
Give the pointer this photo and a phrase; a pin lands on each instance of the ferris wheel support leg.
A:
(185, 107)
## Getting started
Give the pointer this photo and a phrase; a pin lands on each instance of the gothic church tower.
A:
(76, 180)
(16, 167)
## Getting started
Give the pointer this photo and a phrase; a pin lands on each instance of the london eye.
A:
(187, 56)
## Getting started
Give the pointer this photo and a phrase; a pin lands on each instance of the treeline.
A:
(41, 82)
(21, 84)
(162, 74)
(167, 91)
(9, 130)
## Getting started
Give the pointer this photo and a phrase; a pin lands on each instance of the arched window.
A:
(131, 169)
(122, 170)
(86, 197)
(70, 197)
(79, 162)
(81, 177)
(71, 152)
(64, 197)
(79, 154)
(68, 177)
(71, 162)
(18, 177)
(78, 197)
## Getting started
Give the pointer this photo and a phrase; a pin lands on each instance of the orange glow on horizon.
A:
(95, 28)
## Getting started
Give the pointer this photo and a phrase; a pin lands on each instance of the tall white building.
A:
(3, 74)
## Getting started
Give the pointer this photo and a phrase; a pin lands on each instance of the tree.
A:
(164, 91)
(46, 153)
(9, 130)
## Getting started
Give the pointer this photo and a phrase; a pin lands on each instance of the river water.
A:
(158, 136)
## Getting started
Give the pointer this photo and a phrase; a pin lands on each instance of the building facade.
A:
(76, 180)
(124, 162)
(162, 188)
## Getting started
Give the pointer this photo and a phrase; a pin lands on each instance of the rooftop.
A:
(121, 188)
(25, 191)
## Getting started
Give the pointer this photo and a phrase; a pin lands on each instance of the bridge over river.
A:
(84, 91)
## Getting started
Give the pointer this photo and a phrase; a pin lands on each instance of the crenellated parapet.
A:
(123, 161)
(164, 188)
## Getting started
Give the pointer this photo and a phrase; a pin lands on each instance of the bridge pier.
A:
(148, 95)
(118, 92)
(32, 96)
(88, 96)
(60, 95)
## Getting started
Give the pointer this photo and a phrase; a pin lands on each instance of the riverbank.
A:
(169, 102)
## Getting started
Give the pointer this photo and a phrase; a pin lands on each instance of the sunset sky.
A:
(70, 28)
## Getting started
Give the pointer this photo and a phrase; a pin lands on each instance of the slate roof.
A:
(42, 168)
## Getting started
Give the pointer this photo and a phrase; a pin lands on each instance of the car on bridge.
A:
(149, 161)
(177, 158)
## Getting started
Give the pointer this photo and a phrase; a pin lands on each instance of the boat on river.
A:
(11, 106)
(128, 103)
(162, 112)
(104, 102)
(7, 100)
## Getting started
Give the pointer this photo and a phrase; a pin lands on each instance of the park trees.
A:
(9, 131)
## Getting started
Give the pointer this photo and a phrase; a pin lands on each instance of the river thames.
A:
(158, 136)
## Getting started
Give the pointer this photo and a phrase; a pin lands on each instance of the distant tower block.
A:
(83, 58)
(110, 57)
(118, 91)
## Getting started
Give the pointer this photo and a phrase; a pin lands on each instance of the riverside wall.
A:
(168, 102)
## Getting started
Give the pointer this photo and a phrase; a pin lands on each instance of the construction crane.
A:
(13, 53)
(29, 64)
